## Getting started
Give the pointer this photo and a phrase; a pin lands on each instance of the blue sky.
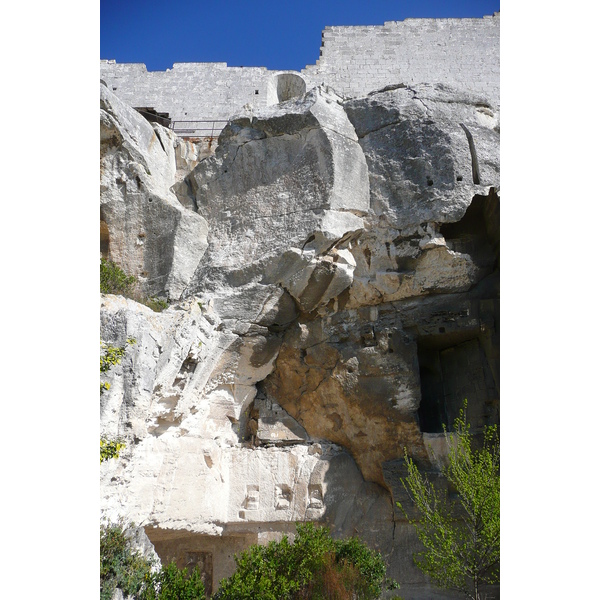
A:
(276, 35)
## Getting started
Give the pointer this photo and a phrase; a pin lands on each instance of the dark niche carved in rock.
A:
(451, 370)
(478, 232)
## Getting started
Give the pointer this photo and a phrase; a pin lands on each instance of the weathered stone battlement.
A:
(459, 52)
(355, 60)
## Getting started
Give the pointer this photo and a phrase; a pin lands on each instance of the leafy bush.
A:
(172, 583)
(124, 568)
(314, 567)
(109, 357)
(368, 564)
(120, 566)
(156, 304)
(113, 280)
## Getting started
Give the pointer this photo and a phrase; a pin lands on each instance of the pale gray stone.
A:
(291, 176)
(419, 156)
(338, 293)
(285, 191)
(150, 234)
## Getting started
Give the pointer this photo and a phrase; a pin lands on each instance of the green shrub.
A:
(172, 583)
(156, 304)
(109, 357)
(113, 280)
(110, 448)
(314, 567)
(120, 566)
(368, 564)
(262, 572)
(124, 568)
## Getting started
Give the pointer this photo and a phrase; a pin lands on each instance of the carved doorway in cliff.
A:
(452, 370)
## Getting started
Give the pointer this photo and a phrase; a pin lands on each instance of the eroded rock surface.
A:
(284, 195)
(334, 275)
(422, 176)
(145, 228)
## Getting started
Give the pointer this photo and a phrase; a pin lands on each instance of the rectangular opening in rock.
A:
(453, 368)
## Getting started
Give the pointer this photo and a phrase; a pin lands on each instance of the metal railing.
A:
(153, 117)
(207, 128)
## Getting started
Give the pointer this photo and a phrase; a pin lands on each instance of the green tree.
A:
(313, 567)
(461, 537)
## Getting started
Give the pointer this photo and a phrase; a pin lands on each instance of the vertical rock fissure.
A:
(474, 162)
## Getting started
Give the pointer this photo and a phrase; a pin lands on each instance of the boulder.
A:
(433, 159)
(284, 193)
(146, 230)
(429, 148)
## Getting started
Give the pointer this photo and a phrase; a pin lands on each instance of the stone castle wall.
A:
(354, 61)
(460, 52)
(189, 91)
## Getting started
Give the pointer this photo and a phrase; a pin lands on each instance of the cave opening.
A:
(478, 232)
(454, 367)
(432, 410)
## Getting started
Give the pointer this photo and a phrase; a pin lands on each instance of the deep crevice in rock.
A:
(478, 232)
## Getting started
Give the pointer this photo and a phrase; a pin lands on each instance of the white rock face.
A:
(330, 306)
(424, 172)
(419, 155)
(286, 188)
(181, 397)
(182, 375)
(149, 233)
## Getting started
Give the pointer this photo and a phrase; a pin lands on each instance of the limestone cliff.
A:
(333, 276)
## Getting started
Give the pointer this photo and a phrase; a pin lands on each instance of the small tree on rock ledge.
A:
(461, 538)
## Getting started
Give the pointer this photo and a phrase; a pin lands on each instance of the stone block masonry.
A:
(464, 53)
(355, 60)
(189, 91)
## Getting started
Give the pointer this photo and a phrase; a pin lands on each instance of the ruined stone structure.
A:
(354, 61)
(332, 268)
